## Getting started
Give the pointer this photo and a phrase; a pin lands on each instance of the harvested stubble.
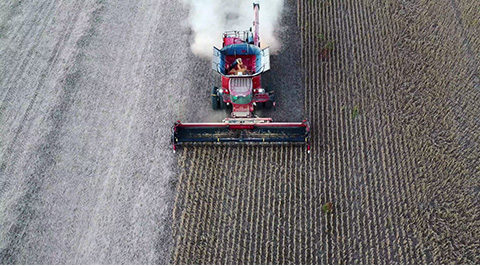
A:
(402, 175)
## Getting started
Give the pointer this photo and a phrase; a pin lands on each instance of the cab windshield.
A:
(241, 99)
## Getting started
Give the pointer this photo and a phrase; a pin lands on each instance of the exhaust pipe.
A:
(256, 24)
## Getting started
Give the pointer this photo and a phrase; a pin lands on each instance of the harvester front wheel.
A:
(271, 102)
(268, 104)
(215, 100)
(222, 105)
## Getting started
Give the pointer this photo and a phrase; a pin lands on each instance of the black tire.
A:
(215, 104)
(222, 104)
(268, 104)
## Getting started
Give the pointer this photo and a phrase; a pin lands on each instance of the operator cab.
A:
(252, 57)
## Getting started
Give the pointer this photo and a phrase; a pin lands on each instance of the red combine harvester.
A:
(241, 62)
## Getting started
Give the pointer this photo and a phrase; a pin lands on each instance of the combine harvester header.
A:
(241, 62)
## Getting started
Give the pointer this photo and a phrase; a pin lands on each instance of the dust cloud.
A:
(210, 18)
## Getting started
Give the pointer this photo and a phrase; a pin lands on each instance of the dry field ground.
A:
(86, 105)
(392, 92)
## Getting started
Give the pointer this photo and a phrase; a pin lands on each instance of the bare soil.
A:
(88, 93)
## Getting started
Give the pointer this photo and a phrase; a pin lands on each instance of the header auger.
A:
(241, 62)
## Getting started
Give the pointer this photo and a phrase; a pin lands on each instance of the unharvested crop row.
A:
(359, 149)
(370, 67)
(439, 116)
(231, 209)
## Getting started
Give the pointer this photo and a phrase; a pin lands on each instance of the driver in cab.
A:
(238, 68)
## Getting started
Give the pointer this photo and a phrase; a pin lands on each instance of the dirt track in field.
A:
(392, 93)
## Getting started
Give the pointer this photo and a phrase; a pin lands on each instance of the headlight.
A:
(261, 90)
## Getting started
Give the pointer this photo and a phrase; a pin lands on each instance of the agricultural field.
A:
(89, 90)
(391, 89)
